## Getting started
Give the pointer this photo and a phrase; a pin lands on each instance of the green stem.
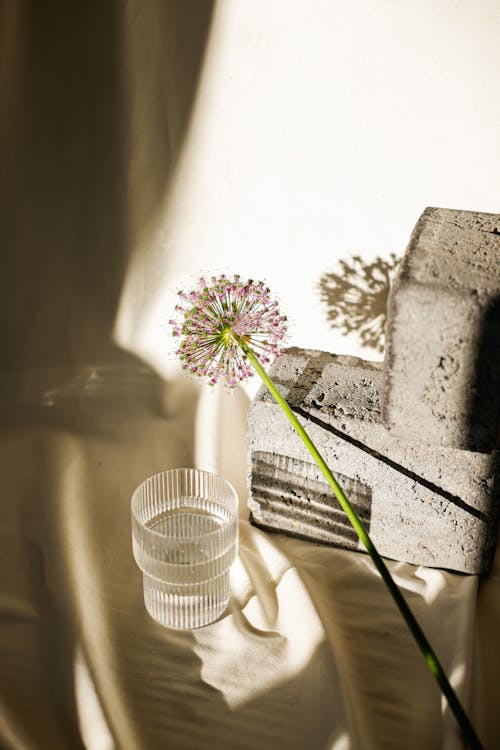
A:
(430, 657)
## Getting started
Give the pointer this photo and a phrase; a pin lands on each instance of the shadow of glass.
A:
(355, 297)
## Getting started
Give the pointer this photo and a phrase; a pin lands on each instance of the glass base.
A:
(184, 607)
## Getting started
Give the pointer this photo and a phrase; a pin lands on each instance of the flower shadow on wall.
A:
(356, 297)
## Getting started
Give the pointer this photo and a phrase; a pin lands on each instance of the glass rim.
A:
(224, 526)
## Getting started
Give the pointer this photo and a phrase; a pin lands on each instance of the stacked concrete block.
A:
(412, 443)
(429, 505)
(442, 364)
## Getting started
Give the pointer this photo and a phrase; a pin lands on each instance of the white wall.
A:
(322, 129)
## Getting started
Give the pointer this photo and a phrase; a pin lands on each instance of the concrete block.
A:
(434, 506)
(442, 360)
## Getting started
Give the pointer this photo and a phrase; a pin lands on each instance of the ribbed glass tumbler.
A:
(185, 538)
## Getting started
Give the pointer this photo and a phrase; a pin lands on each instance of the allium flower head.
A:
(217, 313)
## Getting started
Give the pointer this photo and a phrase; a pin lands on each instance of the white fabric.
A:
(111, 193)
(311, 654)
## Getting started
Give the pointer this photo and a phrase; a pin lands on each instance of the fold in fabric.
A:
(311, 652)
(96, 102)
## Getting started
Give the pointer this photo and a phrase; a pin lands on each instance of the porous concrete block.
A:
(442, 359)
(433, 506)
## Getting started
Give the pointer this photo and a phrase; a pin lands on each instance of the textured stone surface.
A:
(434, 506)
(442, 362)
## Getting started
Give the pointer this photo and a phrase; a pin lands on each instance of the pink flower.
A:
(215, 315)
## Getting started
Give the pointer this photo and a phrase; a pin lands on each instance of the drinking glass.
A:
(185, 538)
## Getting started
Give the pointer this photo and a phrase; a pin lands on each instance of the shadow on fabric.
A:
(91, 93)
(94, 97)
